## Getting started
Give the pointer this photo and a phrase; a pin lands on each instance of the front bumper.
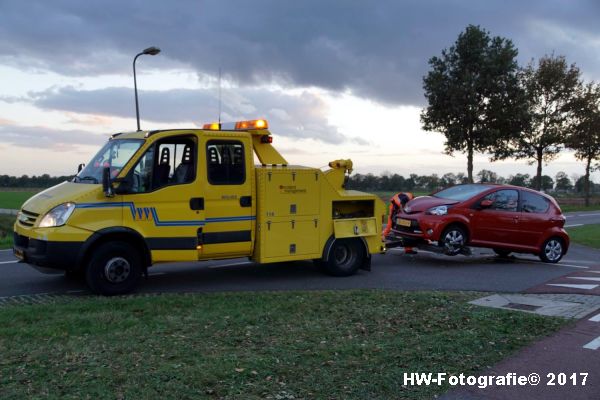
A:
(47, 254)
(423, 228)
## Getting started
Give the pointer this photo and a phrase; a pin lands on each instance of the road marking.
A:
(588, 215)
(595, 318)
(7, 250)
(9, 262)
(156, 273)
(573, 225)
(593, 272)
(543, 263)
(585, 278)
(572, 266)
(573, 286)
(593, 345)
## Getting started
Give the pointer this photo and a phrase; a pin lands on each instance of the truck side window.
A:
(225, 162)
(169, 162)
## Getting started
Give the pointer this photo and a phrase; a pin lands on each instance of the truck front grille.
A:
(27, 218)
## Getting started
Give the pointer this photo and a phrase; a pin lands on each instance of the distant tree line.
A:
(482, 101)
(25, 181)
(561, 183)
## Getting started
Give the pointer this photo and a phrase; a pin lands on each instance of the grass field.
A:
(14, 200)
(321, 344)
(588, 235)
(6, 229)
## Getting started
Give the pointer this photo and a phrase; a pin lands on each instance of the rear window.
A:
(461, 192)
(534, 203)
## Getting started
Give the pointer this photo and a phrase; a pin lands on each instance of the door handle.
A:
(197, 203)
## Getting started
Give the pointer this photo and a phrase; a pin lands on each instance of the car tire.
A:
(345, 257)
(502, 252)
(115, 268)
(552, 250)
(453, 239)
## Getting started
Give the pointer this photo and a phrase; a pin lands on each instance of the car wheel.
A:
(552, 250)
(453, 240)
(115, 268)
(502, 253)
(345, 257)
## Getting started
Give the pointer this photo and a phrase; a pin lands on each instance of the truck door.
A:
(229, 202)
(163, 203)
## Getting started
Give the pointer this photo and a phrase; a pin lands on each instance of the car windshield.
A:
(461, 192)
(114, 155)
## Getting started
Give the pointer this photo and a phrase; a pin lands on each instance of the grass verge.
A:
(6, 229)
(588, 235)
(346, 344)
(14, 200)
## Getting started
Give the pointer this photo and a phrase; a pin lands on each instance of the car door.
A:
(160, 203)
(498, 223)
(534, 218)
(229, 203)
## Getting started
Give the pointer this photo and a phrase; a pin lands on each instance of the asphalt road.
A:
(482, 271)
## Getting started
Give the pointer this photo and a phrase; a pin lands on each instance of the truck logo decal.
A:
(150, 214)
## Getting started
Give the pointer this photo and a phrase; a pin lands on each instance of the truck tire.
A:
(345, 257)
(115, 268)
(552, 250)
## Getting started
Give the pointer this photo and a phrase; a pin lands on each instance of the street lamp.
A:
(152, 51)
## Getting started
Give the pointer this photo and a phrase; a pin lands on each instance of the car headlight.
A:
(58, 216)
(439, 210)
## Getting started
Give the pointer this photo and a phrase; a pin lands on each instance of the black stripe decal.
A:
(172, 243)
(226, 237)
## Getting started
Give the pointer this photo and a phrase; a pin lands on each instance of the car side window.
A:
(225, 162)
(504, 200)
(171, 161)
(534, 203)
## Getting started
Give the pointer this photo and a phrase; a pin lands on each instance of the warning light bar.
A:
(255, 124)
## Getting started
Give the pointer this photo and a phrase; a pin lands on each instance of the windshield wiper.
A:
(86, 178)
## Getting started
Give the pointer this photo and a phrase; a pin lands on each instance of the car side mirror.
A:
(486, 203)
(106, 183)
(80, 167)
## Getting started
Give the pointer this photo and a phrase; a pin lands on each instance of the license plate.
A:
(403, 222)
(19, 254)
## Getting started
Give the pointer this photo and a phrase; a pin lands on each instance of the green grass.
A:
(588, 235)
(321, 344)
(571, 208)
(14, 200)
(6, 229)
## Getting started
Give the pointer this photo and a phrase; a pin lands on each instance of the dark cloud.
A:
(377, 49)
(46, 138)
(298, 116)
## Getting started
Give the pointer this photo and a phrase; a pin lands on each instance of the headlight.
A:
(58, 216)
(439, 210)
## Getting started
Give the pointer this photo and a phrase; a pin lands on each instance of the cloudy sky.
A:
(334, 78)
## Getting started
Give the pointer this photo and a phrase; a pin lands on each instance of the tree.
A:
(519, 180)
(473, 93)
(546, 185)
(563, 183)
(487, 176)
(584, 136)
(550, 89)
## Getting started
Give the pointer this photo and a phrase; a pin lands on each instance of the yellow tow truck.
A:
(174, 195)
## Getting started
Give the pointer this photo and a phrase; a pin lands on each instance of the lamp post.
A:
(152, 51)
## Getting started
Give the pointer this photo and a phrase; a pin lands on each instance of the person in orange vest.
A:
(397, 203)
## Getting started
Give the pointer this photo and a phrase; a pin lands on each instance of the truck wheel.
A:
(502, 253)
(453, 240)
(552, 250)
(114, 268)
(345, 257)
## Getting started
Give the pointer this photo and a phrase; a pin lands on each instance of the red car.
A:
(501, 217)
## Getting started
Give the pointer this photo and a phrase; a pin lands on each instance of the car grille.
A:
(27, 218)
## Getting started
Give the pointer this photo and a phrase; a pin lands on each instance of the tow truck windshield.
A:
(461, 192)
(114, 155)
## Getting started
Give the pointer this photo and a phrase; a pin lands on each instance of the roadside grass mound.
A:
(6, 229)
(14, 199)
(319, 344)
(587, 235)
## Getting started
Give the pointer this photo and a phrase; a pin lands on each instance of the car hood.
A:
(423, 203)
(62, 193)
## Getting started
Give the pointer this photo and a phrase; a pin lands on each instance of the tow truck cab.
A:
(195, 194)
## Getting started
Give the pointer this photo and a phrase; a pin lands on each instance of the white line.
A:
(558, 265)
(156, 273)
(573, 266)
(593, 345)
(593, 272)
(584, 278)
(573, 225)
(6, 250)
(595, 318)
(588, 215)
(9, 262)
(573, 286)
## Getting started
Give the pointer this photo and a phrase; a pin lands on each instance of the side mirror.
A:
(106, 183)
(124, 185)
(486, 203)
(80, 167)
